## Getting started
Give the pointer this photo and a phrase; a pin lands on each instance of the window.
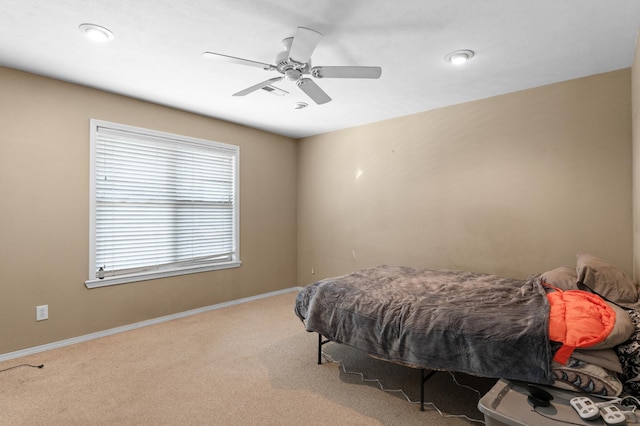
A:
(161, 205)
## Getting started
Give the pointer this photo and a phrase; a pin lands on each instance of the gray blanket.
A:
(468, 322)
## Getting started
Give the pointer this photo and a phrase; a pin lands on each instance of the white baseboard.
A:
(59, 344)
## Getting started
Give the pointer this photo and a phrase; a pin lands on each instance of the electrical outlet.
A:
(42, 312)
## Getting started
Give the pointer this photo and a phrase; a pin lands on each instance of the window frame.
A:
(168, 270)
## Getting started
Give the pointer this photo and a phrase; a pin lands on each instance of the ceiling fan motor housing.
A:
(290, 69)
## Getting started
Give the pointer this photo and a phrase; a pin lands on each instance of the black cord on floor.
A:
(22, 365)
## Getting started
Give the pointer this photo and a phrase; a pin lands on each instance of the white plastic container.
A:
(506, 405)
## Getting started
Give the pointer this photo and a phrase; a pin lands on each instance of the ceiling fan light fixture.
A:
(292, 74)
(96, 32)
(459, 57)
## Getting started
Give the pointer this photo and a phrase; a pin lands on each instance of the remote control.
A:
(612, 415)
(586, 408)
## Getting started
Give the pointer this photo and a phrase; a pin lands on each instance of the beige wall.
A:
(635, 95)
(513, 185)
(44, 211)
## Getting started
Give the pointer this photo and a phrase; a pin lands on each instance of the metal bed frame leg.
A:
(320, 343)
(423, 377)
(423, 380)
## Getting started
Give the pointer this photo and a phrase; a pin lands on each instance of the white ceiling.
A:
(156, 53)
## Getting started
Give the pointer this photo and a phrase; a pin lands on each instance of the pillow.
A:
(563, 277)
(580, 376)
(603, 278)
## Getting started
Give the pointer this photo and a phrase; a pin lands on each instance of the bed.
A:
(475, 323)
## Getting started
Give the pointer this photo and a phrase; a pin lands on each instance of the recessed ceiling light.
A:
(96, 32)
(459, 57)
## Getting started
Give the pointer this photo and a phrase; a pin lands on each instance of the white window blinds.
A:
(162, 204)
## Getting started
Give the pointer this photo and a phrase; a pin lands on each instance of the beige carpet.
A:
(249, 364)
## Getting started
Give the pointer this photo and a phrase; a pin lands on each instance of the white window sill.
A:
(152, 275)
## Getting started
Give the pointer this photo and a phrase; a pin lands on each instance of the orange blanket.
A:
(578, 319)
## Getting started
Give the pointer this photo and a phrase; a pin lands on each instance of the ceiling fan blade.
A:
(233, 59)
(303, 45)
(312, 90)
(257, 86)
(346, 72)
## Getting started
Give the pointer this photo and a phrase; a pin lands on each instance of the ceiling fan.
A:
(294, 63)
